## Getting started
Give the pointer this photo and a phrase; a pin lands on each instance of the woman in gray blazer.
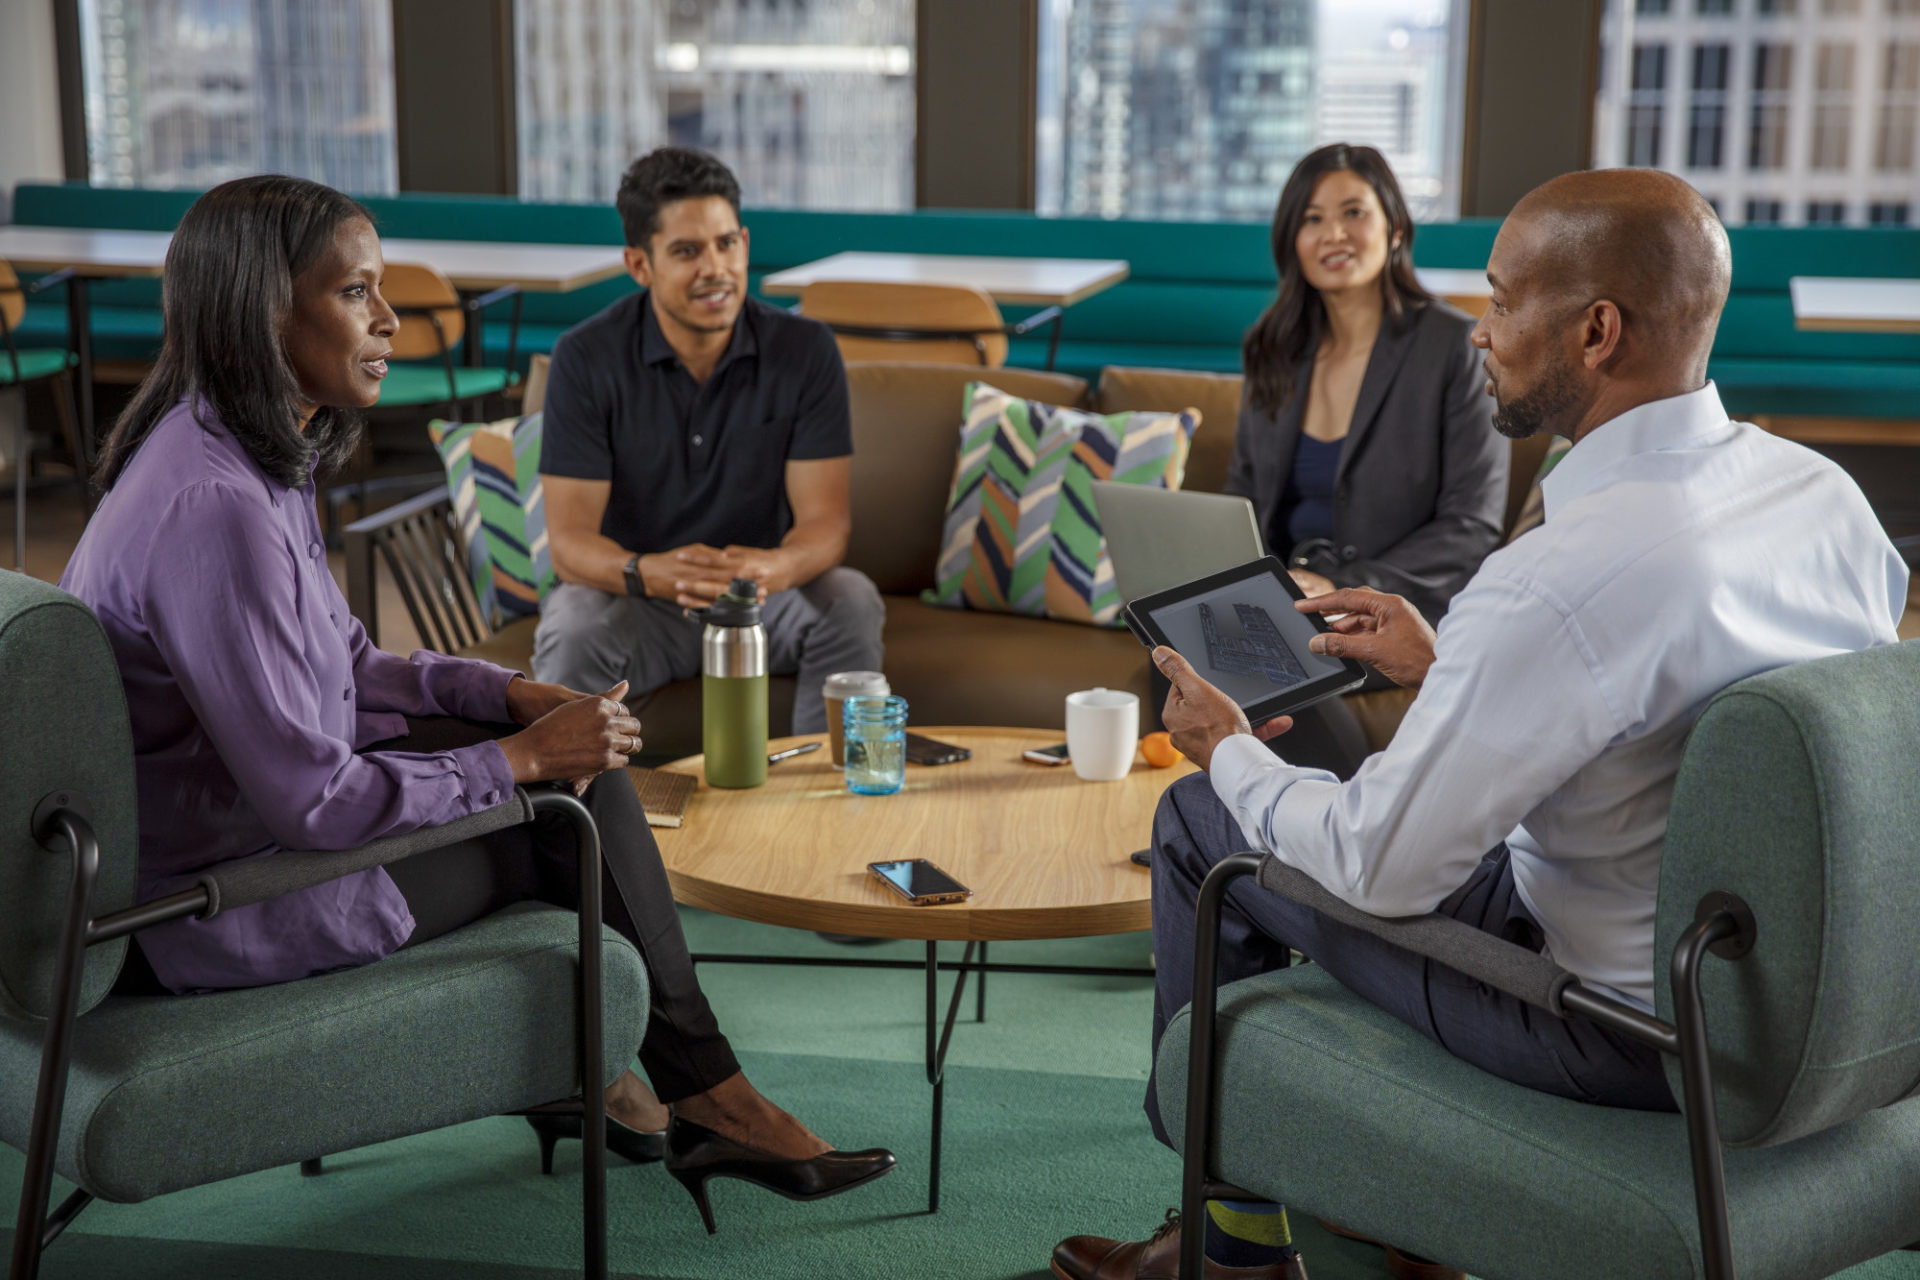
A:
(1366, 439)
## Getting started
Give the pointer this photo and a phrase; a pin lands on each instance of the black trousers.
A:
(1496, 1032)
(684, 1052)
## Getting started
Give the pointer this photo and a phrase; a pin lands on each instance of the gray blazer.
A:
(1422, 481)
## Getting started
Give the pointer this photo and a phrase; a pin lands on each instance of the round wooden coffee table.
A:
(1045, 853)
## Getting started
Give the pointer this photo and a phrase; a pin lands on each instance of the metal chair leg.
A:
(20, 486)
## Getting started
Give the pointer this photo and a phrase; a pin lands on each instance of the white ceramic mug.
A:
(1103, 731)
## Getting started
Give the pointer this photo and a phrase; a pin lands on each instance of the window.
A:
(1832, 105)
(1650, 8)
(1899, 108)
(1714, 6)
(809, 102)
(1763, 213)
(190, 93)
(1772, 83)
(1826, 213)
(1840, 8)
(1902, 7)
(1707, 115)
(1771, 8)
(1884, 214)
(1647, 104)
(1156, 109)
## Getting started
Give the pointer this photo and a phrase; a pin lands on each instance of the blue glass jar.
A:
(876, 733)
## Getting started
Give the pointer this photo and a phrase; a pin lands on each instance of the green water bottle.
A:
(733, 687)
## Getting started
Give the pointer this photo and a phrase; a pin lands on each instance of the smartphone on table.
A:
(919, 881)
(924, 750)
(1055, 754)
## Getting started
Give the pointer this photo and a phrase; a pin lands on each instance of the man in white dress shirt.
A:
(1681, 552)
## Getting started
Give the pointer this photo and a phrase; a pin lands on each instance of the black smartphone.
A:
(919, 881)
(924, 750)
(1055, 754)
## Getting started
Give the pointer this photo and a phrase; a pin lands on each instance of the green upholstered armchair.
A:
(132, 1097)
(1789, 900)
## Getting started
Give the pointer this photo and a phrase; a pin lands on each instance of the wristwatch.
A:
(636, 585)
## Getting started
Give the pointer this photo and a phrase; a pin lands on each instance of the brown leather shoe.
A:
(1401, 1266)
(1155, 1258)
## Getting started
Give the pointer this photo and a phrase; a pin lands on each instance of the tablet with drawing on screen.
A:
(1238, 628)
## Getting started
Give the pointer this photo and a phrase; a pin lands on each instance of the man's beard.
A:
(1548, 402)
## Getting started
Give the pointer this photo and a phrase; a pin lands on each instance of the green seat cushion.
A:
(1339, 1110)
(169, 1092)
(493, 478)
(34, 362)
(426, 383)
(1022, 534)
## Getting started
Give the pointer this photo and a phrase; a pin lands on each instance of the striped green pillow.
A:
(1022, 535)
(493, 473)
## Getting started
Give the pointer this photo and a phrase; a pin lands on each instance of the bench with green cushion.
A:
(1192, 291)
(165, 1093)
(1795, 794)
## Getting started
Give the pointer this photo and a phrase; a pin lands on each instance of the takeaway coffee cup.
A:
(1103, 730)
(835, 690)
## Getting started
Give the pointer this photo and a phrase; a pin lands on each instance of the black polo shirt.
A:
(690, 461)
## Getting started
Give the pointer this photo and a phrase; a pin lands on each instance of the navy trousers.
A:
(1494, 1031)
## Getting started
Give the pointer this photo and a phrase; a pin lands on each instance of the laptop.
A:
(1161, 538)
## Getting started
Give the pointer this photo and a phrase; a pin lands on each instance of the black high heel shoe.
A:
(696, 1153)
(641, 1146)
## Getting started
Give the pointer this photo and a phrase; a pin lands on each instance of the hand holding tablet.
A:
(1240, 632)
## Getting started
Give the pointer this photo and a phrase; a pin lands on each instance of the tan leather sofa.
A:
(954, 666)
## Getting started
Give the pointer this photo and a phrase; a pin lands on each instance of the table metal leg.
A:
(937, 1054)
(20, 486)
(80, 334)
(473, 346)
(980, 989)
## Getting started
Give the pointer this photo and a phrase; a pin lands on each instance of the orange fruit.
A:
(1159, 750)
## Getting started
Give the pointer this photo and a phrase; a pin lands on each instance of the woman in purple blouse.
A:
(264, 718)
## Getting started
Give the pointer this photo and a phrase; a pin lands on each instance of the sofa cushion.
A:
(903, 425)
(1215, 395)
(1001, 669)
(169, 1092)
(1340, 1110)
(1022, 534)
(493, 474)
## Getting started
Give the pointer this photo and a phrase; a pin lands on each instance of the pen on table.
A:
(791, 752)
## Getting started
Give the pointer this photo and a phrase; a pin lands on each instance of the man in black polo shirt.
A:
(692, 436)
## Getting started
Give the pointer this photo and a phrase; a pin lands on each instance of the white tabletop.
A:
(1454, 282)
(1029, 281)
(470, 264)
(1855, 305)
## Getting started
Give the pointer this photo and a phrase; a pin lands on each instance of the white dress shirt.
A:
(1681, 552)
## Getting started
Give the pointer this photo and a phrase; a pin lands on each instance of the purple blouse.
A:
(251, 690)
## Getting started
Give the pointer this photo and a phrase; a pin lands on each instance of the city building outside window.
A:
(1792, 109)
(1884, 213)
(1707, 116)
(1899, 108)
(1826, 213)
(190, 93)
(1198, 109)
(809, 102)
(1650, 7)
(1714, 6)
(1647, 105)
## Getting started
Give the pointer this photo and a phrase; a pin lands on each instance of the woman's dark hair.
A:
(1291, 327)
(226, 293)
(662, 176)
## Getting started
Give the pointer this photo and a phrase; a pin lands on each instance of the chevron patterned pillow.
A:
(1022, 535)
(493, 474)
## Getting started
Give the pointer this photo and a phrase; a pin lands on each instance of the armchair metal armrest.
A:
(481, 302)
(1505, 966)
(241, 884)
(476, 305)
(48, 280)
(1046, 315)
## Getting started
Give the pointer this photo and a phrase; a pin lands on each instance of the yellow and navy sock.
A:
(1247, 1233)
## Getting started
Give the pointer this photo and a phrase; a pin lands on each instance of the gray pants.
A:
(591, 640)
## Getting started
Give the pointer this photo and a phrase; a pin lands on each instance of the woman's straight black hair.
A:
(226, 293)
(1290, 329)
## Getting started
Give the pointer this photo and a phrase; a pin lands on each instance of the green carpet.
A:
(1044, 1139)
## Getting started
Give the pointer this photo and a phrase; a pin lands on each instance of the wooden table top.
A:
(1454, 282)
(1045, 853)
(1040, 282)
(470, 264)
(1849, 305)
